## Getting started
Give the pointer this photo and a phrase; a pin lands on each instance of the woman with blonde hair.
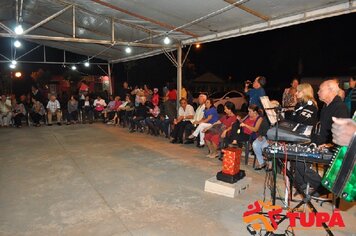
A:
(306, 110)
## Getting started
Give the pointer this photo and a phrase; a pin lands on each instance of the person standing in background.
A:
(257, 90)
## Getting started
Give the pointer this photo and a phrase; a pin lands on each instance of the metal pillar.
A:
(110, 80)
(179, 73)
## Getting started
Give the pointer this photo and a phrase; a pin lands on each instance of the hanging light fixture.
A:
(13, 62)
(166, 40)
(128, 50)
(86, 64)
(12, 66)
(17, 44)
(74, 67)
(197, 45)
(18, 30)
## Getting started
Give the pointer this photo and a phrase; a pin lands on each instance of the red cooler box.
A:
(231, 161)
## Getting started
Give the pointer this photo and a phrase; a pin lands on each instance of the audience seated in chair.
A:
(88, 114)
(246, 129)
(53, 108)
(209, 118)
(139, 115)
(153, 120)
(185, 115)
(125, 112)
(18, 113)
(260, 143)
(219, 130)
(72, 115)
(167, 115)
(99, 106)
(197, 119)
(37, 112)
(111, 110)
(5, 111)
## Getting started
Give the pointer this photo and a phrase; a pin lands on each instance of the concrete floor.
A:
(76, 180)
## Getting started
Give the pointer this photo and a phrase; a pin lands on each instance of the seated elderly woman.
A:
(153, 120)
(72, 107)
(219, 130)
(111, 110)
(209, 118)
(99, 106)
(246, 129)
(125, 111)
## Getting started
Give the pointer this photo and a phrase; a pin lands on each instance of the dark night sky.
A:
(325, 48)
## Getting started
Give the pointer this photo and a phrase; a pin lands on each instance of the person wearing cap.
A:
(155, 97)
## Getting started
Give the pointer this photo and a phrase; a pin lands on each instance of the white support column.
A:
(179, 73)
(110, 80)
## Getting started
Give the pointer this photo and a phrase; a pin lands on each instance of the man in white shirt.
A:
(199, 114)
(53, 108)
(185, 116)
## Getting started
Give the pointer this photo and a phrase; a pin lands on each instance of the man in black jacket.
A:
(334, 107)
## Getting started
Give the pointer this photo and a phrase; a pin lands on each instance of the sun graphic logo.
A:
(254, 214)
(265, 216)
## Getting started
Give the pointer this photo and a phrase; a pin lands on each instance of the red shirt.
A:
(228, 120)
(172, 95)
(251, 123)
(155, 99)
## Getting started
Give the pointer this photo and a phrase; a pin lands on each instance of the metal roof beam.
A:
(119, 21)
(6, 28)
(162, 24)
(275, 23)
(84, 40)
(46, 20)
(55, 62)
(249, 10)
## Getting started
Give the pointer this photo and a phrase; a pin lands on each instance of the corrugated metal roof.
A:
(143, 24)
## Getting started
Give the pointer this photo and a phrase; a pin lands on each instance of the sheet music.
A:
(308, 130)
(271, 113)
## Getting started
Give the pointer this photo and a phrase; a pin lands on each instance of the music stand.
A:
(273, 113)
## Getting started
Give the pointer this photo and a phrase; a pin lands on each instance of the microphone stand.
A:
(274, 163)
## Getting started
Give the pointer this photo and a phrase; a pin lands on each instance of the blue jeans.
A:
(258, 147)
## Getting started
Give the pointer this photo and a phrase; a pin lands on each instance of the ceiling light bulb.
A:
(13, 62)
(86, 64)
(74, 67)
(197, 45)
(18, 29)
(17, 44)
(167, 40)
(128, 50)
(12, 66)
